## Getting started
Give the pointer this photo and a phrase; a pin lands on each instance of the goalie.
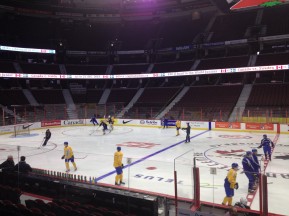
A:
(230, 184)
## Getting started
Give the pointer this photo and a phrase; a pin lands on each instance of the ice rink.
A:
(152, 154)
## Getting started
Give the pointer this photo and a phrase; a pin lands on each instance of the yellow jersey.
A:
(68, 153)
(117, 159)
(178, 124)
(232, 177)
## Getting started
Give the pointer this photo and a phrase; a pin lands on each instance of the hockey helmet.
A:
(65, 143)
(254, 150)
(265, 135)
(234, 165)
(248, 153)
(118, 148)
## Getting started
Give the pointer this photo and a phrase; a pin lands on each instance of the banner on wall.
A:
(195, 124)
(50, 123)
(6, 129)
(259, 126)
(73, 122)
(149, 122)
(170, 123)
(230, 125)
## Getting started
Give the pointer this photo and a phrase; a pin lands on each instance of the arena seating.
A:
(182, 31)
(207, 103)
(130, 69)
(32, 68)
(272, 59)
(219, 63)
(276, 21)
(172, 67)
(51, 96)
(7, 66)
(123, 96)
(153, 100)
(86, 69)
(269, 95)
(237, 23)
(143, 30)
(12, 97)
(9, 193)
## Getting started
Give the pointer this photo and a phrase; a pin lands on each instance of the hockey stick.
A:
(93, 131)
(41, 143)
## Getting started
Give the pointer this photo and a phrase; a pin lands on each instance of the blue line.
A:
(148, 156)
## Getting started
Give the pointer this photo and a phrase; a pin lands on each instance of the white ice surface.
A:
(155, 154)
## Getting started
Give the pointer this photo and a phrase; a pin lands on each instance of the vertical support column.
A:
(34, 114)
(176, 192)
(14, 115)
(265, 195)
(65, 112)
(25, 113)
(96, 109)
(3, 117)
(260, 194)
(197, 203)
(271, 114)
(85, 111)
(278, 128)
(221, 116)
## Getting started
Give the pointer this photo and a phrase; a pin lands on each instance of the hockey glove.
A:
(122, 165)
(236, 186)
(62, 157)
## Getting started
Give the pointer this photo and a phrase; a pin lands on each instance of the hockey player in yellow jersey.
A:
(230, 184)
(68, 156)
(104, 123)
(118, 165)
(178, 126)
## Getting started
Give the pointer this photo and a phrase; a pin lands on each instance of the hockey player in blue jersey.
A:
(93, 120)
(249, 171)
(256, 165)
(267, 144)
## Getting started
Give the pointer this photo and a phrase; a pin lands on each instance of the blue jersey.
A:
(247, 164)
(255, 163)
(93, 120)
(266, 143)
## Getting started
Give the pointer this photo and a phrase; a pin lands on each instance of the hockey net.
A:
(22, 129)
